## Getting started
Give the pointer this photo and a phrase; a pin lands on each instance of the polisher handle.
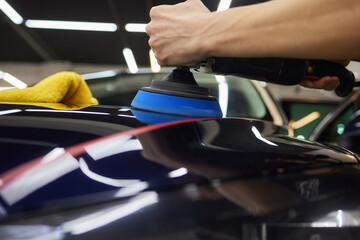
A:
(283, 71)
(319, 68)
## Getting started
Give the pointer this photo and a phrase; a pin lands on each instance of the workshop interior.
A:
(37, 44)
(98, 141)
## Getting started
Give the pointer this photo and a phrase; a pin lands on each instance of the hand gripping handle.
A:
(320, 68)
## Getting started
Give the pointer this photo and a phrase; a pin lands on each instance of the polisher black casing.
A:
(284, 71)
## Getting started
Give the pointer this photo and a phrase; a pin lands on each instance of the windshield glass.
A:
(238, 97)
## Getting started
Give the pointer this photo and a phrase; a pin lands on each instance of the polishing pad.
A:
(178, 94)
(154, 117)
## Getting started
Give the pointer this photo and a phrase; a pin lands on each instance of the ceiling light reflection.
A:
(5, 112)
(12, 80)
(30, 231)
(223, 93)
(123, 115)
(38, 176)
(99, 178)
(258, 136)
(178, 173)
(262, 83)
(55, 153)
(340, 217)
(10, 12)
(124, 109)
(223, 5)
(135, 27)
(113, 146)
(131, 189)
(155, 67)
(130, 60)
(66, 111)
(105, 216)
(6, 88)
(95, 75)
(72, 25)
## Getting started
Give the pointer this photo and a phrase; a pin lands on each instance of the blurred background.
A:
(41, 37)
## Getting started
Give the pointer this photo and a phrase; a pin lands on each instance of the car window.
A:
(238, 97)
(336, 127)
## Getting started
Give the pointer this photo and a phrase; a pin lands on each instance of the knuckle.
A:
(150, 43)
(155, 43)
(158, 11)
(161, 59)
(148, 29)
(154, 11)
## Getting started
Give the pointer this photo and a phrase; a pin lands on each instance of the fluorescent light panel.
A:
(223, 5)
(6, 112)
(223, 93)
(135, 27)
(12, 80)
(155, 67)
(10, 12)
(130, 60)
(178, 173)
(95, 75)
(72, 25)
(6, 88)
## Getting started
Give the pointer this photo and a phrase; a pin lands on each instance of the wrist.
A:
(205, 42)
(221, 34)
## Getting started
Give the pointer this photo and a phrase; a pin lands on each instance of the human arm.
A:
(319, 29)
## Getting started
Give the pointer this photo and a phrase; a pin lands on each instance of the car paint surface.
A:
(113, 175)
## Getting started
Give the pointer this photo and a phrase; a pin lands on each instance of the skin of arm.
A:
(316, 29)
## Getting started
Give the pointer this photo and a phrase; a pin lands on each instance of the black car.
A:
(340, 125)
(102, 172)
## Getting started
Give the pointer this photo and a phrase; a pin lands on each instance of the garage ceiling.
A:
(23, 44)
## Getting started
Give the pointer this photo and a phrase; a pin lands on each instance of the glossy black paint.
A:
(243, 178)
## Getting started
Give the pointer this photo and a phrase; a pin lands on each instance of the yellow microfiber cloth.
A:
(63, 90)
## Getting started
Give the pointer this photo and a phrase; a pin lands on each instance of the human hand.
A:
(327, 83)
(175, 32)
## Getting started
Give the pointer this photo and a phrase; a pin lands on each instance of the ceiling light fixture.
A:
(135, 27)
(12, 80)
(223, 5)
(72, 25)
(223, 93)
(155, 67)
(10, 12)
(6, 88)
(130, 60)
(96, 75)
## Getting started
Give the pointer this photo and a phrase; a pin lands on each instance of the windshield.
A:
(238, 97)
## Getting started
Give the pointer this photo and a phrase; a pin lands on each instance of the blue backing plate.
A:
(167, 104)
(154, 117)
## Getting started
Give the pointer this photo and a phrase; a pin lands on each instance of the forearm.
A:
(322, 29)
